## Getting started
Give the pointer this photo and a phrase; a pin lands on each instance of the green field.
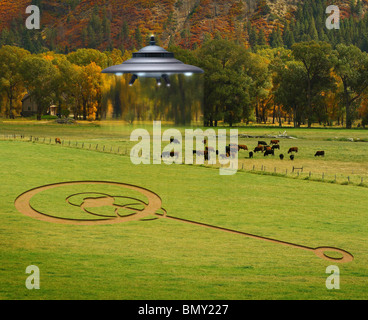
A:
(166, 259)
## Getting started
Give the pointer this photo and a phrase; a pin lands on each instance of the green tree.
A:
(351, 65)
(83, 57)
(40, 78)
(226, 82)
(315, 57)
(290, 92)
(11, 80)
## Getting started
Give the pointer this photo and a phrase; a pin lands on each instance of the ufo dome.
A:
(153, 62)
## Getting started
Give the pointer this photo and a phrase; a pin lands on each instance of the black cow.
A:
(251, 155)
(292, 158)
(262, 143)
(269, 152)
(282, 157)
(320, 154)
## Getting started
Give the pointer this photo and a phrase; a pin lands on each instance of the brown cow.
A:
(320, 154)
(57, 141)
(275, 141)
(243, 147)
(294, 149)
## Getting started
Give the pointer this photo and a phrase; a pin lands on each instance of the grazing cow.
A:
(171, 154)
(268, 148)
(294, 149)
(234, 149)
(292, 158)
(282, 157)
(165, 155)
(275, 141)
(206, 155)
(259, 149)
(175, 141)
(320, 154)
(210, 149)
(243, 147)
(269, 152)
(57, 141)
(262, 143)
(251, 155)
(276, 146)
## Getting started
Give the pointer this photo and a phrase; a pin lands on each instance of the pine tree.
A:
(261, 38)
(138, 38)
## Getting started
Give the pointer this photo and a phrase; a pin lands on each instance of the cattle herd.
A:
(269, 149)
(262, 147)
(233, 149)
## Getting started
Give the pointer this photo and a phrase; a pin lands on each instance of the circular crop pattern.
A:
(95, 207)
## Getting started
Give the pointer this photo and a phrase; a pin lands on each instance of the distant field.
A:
(343, 158)
(166, 259)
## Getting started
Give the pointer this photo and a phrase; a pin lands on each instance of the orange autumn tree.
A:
(90, 86)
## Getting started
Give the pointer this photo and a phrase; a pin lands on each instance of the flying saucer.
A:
(153, 62)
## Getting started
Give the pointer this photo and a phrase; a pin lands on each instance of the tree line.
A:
(309, 83)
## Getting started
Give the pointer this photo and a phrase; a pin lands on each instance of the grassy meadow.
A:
(166, 259)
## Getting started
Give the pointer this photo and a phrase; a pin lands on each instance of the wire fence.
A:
(293, 172)
(97, 147)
